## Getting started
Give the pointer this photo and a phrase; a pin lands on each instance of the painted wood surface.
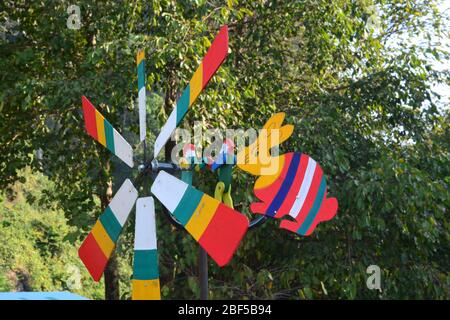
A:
(98, 246)
(55, 295)
(101, 130)
(145, 281)
(140, 62)
(300, 192)
(213, 59)
(216, 227)
(295, 186)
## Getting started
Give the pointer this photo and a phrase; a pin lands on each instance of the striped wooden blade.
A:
(216, 227)
(140, 62)
(101, 130)
(211, 62)
(145, 283)
(98, 246)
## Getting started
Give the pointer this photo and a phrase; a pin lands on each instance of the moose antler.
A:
(256, 159)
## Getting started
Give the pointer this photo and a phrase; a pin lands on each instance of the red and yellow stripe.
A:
(98, 246)
(215, 56)
(101, 130)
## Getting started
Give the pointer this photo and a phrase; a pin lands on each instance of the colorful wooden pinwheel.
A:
(290, 184)
(216, 227)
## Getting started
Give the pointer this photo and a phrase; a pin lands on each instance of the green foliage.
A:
(360, 97)
(34, 254)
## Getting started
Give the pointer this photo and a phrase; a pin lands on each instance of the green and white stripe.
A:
(140, 61)
(145, 265)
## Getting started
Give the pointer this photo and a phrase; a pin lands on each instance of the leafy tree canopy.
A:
(355, 77)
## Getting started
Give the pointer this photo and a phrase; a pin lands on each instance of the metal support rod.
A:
(257, 221)
(145, 151)
(170, 167)
(203, 273)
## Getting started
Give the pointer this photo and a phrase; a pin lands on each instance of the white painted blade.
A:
(123, 201)
(122, 149)
(166, 132)
(142, 114)
(169, 190)
(145, 228)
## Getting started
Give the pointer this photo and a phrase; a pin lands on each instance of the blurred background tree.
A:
(357, 79)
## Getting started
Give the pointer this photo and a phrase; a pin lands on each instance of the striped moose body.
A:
(298, 190)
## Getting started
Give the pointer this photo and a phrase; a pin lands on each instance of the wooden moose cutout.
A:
(290, 184)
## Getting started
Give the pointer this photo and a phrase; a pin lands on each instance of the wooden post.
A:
(187, 177)
(112, 289)
(203, 273)
(111, 273)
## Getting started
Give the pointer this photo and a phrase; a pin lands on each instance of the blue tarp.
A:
(64, 295)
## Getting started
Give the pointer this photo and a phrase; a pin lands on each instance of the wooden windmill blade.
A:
(101, 130)
(145, 282)
(215, 226)
(142, 97)
(98, 246)
(215, 56)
